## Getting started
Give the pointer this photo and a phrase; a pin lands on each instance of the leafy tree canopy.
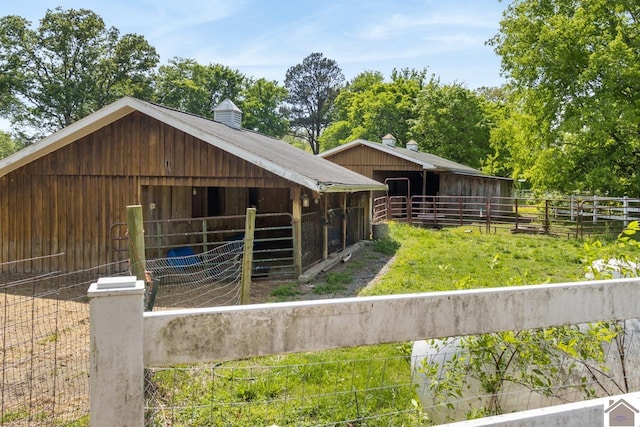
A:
(186, 85)
(189, 86)
(452, 121)
(7, 145)
(262, 105)
(68, 67)
(313, 87)
(370, 107)
(576, 67)
(446, 120)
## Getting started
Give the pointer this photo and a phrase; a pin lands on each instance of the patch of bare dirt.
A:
(345, 279)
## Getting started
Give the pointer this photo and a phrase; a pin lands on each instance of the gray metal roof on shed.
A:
(425, 160)
(276, 156)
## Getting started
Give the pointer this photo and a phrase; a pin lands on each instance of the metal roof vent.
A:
(389, 140)
(412, 145)
(228, 113)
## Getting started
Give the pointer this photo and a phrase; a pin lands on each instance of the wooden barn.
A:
(409, 172)
(67, 194)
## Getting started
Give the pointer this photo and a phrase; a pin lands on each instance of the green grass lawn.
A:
(369, 384)
(463, 258)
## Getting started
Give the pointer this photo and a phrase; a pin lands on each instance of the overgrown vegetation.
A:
(546, 364)
(322, 388)
(354, 384)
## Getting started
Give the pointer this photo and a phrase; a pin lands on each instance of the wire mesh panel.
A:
(363, 386)
(312, 234)
(418, 383)
(187, 279)
(272, 249)
(44, 335)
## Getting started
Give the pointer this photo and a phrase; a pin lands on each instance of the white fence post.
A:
(116, 363)
(625, 209)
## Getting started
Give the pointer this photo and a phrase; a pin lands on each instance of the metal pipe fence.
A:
(570, 217)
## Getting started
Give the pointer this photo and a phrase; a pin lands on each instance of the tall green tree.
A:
(262, 105)
(68, 67)
(7, 145)
(370, 107)
(313, 86)
(576, 66)
(186, 85)
(452, 122)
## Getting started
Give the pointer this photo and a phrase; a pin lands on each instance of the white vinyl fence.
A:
(124, 339)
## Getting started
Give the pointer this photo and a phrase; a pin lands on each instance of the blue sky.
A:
(264, 38)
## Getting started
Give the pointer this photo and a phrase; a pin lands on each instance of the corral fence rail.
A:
(571, 216)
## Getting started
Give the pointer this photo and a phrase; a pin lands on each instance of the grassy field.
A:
(463, 258)
(366, 386)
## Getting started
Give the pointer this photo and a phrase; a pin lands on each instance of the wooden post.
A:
(547, 224)
(625, 210)
(325, 227)
(205, 235)
(488, 212)
(137, 258)
(296, 211)
(368, 214)
(247, 257)
(344, 220)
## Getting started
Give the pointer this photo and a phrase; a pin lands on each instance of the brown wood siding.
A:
(67, 200)
(463, 185)
(379, 165)
(365, 160)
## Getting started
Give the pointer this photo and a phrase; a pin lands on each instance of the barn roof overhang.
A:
(200, 128)
(424, 161)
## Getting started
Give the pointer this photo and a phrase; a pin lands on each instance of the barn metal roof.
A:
(425, 160)
(276, 156)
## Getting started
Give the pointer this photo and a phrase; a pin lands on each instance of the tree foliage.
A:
(446, 120)
(313, 86)
(262, 105)
(186, 85)
(453, 122)
(369, 107)
(7, 145)
(576, 67)
(68, 67)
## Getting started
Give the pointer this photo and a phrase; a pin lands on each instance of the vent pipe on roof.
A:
(228, 113)
(389, 140)
(412, 145)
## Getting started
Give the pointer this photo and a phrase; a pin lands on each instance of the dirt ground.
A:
(45, 339)
(363, 268)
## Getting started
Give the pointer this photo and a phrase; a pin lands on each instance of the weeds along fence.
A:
(571, 217)
(262, 365)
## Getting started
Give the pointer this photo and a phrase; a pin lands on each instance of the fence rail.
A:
(569, 216)
(232, 333)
